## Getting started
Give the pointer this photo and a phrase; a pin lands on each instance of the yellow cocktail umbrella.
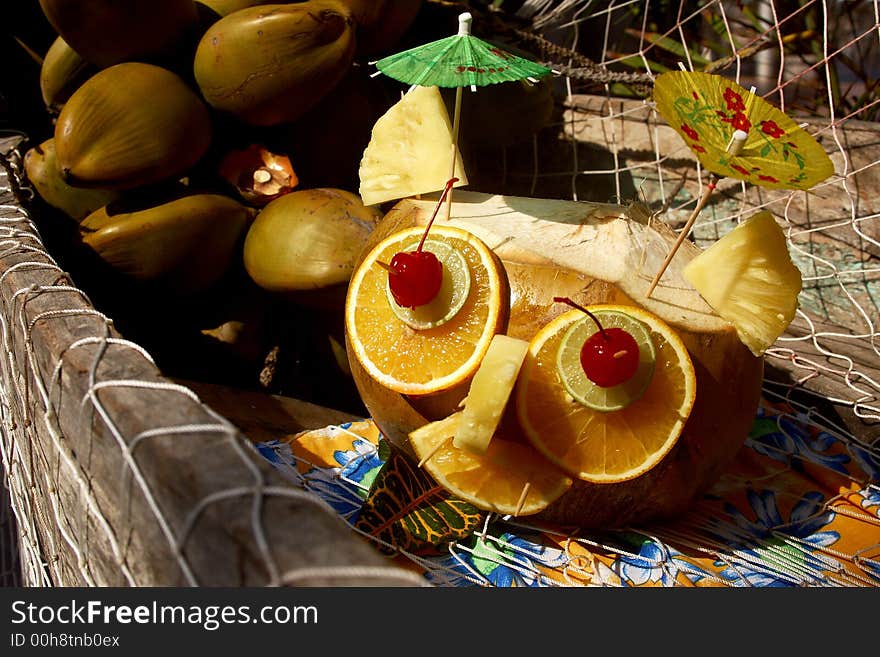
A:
(736, 134)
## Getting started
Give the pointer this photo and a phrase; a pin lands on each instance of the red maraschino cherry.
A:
(609, 356)
(415, 277)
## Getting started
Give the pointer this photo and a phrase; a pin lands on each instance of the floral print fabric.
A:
(799, 506)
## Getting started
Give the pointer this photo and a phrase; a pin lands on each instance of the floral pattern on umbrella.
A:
(707, 109)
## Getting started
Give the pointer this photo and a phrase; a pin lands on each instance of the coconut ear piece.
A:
(409, 151)
(748, 278)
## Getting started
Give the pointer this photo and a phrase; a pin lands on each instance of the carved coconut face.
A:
(728, 376)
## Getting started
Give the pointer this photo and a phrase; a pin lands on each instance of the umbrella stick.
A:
(710, 187)
(734, 148)
(456, 121)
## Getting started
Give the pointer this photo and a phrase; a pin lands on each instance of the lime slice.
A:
(454, 290)
(584, 391)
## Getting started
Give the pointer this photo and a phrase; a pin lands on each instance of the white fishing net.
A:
(613, 152)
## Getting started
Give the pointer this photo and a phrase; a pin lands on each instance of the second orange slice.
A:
(605, 446)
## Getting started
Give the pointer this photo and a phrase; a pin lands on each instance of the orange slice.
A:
(605, 446)
(489, 393)
(415, 361)
(510, 478)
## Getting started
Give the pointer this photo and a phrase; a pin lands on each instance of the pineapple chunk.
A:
(488, 394)
(410, 150)
(748, 277)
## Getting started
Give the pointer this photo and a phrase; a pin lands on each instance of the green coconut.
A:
(183, 245)
(131, 125)
(43, 173)
(308, 239)
(270, 64)
(107, 32)
(62, 72)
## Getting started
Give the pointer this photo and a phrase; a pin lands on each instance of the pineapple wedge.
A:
(488, 394)
(410, 150)
(748, 277)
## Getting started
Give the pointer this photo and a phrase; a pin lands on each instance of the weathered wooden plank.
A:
(830, 368)
(203, 505)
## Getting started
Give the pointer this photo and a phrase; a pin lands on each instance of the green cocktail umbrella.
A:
(459, 61)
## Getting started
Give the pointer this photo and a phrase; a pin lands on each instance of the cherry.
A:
(415, 277)
(609, 357)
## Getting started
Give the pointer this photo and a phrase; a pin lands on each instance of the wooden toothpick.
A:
(522, 498)
(713, 181)
(734, 148)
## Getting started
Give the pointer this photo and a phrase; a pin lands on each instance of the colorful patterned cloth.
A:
(799, 506)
